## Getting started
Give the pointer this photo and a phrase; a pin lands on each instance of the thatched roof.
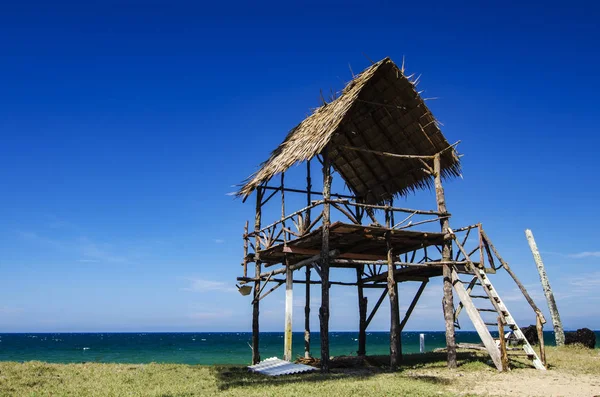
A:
(381, 110)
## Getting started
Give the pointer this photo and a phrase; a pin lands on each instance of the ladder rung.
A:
(506, 325)
(510, 353)
(468, 282)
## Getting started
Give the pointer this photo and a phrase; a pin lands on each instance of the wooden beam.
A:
(307, 288)
(503, 353)
(280, 283)
(362, 316)
(300, 264)
(387, 154)
(291, 190)
(448, 303)
(506, 267)
(348, 255)
(379, 302)
(324, 309)
(307, 315)
(413, 304)
(395, 209)
(257, 271)
(395, 354)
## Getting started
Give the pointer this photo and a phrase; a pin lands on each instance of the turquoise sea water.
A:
(197, 348)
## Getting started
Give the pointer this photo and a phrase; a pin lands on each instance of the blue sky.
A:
(124, 124)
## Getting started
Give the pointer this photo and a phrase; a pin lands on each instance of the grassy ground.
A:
(420, 375)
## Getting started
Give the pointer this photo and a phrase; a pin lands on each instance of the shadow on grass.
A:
(228, 377)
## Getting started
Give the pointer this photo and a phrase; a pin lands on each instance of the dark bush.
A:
(531, 334)
(583, 336)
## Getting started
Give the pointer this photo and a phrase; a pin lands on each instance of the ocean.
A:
(198, 348)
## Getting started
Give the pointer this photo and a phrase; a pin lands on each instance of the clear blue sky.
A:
(125, 124)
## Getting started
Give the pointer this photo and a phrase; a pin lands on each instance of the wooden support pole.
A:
(559, 333)
(307, 290)
(503, 353)
(413, 304)
(285, 238)
(447, 269)
(540, 331)
(324, 310)
(395, 347)
(289, 305)
(379, 302)
(257, 271)
(308, 195)
(307, 315)
(362, 315)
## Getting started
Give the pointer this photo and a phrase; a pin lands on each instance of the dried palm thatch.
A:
(378, 110)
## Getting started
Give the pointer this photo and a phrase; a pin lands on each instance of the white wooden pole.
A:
(559, 333)
(289, 304)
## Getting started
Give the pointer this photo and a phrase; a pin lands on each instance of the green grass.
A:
(420, 375)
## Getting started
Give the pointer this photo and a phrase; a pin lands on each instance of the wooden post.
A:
(324, 310)
(307, 291)
(289, 304)
(395, 354)
(540, 331)
(307, 315)
(559, 333)
(503, 353)
(362, 314)
(257, 271)
(447, 270)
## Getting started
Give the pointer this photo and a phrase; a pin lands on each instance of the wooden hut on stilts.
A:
(380, 138)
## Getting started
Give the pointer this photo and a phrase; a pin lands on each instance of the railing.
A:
(356, 213)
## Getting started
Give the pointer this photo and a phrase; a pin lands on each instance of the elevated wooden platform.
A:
(353, 242)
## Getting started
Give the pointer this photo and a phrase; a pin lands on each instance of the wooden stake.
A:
(307, 291)
(289, 304)
(307, 315)
(257, 271)
(447, 270)
(324, 310)
(540, 331)
(559, 333)
(395, 354)
(362, 315)
(503, 354)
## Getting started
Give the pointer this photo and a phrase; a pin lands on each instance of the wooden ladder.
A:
(466, 296)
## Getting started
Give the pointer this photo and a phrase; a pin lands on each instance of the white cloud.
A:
(578, 255)
(586, 254)
(586, 282)
(201, 285)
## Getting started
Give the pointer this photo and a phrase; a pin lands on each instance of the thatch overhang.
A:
(379, 110)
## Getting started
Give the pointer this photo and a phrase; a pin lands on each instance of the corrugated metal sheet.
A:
(275, 367)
